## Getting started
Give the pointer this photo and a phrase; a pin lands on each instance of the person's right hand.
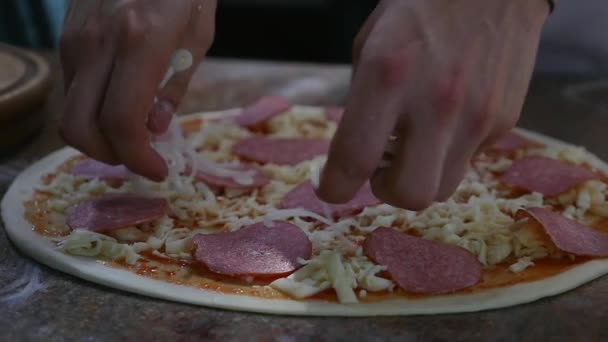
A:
(115, 54)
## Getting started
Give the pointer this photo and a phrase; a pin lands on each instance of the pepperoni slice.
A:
(422, 266)
(571, 236)
(334, 113)
(304, 197)
(91, 168)
(281, 151)
(263, 110)
(513, 141)
(255, 250)
(115, 211)
(258, 178)
(548, 176)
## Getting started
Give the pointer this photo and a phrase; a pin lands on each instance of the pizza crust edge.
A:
(43, 250)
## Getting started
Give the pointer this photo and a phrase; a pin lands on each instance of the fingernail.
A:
(160, 116)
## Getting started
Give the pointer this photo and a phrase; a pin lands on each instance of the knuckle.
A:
(447, 96)
(389, 66)
(132, 27)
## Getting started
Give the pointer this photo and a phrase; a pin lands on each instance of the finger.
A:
(505, 113)
(370, 116)
(509, 117)
(505, 122)
(68, 57)
(192, 50)
(501, 80)
(139, 67)
(67, 65)
(413, 178)
(457, 163)
(471, 127)
(463, 147)
(79, 126)
(363, 34)
(79, 18)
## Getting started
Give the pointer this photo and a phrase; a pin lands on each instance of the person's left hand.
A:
(433, 82)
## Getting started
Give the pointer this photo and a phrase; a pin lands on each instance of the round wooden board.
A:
(24, 84)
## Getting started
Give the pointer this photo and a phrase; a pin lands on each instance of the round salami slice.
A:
(513, 141)
(571, 236)
(255, 250)
(334, 113)
(258, 179)
(263, 110)
(115, 211)
(281, 151)
(303, 196)
(91, 168)
(422, 266)
(548, 176)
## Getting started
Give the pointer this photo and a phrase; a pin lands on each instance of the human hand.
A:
(115, 54)
(433, 82)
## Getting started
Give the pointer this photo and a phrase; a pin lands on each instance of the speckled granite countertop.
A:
(66, 308)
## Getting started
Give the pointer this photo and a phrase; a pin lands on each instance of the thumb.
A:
(195, 43)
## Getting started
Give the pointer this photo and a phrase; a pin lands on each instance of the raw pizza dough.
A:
(42, 249)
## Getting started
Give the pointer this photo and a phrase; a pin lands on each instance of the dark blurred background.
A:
(575, 39)
(296, 30)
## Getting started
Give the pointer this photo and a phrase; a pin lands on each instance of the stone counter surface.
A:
(64, 308)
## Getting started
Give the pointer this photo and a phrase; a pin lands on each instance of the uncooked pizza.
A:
(237, 223)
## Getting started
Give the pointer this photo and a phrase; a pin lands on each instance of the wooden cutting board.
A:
(24, 85)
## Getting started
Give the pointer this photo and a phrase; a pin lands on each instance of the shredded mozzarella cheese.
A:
(86, 243)
(521, 264)
(478, 217)
(330, 269)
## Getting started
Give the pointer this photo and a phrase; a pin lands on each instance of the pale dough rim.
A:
(42, 250)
